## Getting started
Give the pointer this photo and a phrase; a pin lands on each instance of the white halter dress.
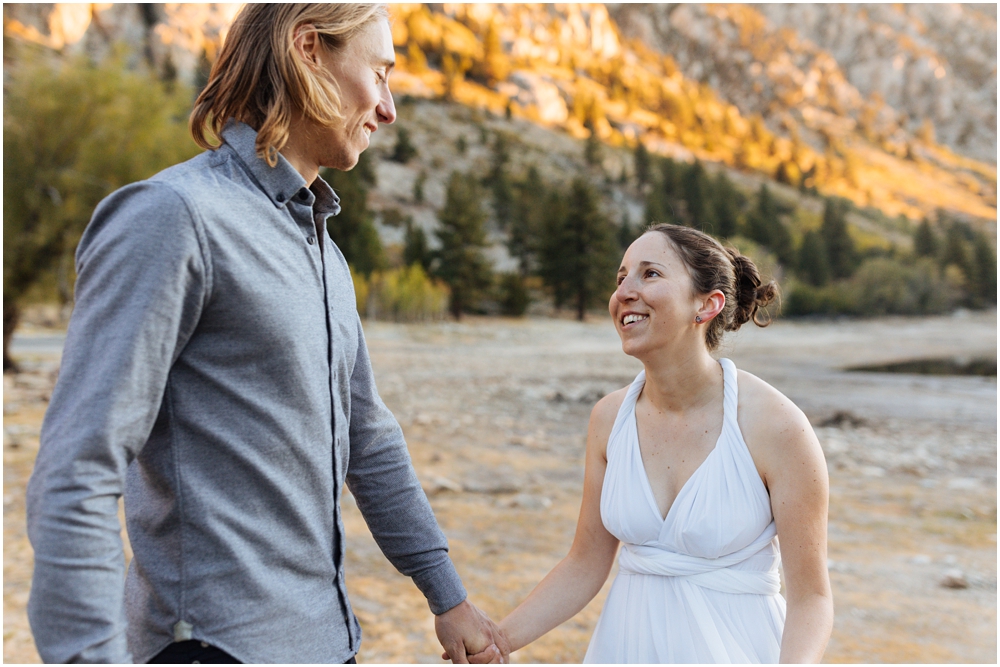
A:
(701, 585)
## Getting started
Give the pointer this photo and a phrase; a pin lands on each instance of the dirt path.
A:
(495, 412)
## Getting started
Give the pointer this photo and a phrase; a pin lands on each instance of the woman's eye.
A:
(652, 273)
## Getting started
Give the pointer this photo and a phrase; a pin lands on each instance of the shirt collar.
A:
(282, 182)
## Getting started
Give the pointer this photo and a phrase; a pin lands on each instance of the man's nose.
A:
(386, 109)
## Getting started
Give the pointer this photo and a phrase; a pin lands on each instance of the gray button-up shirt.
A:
(215, 370)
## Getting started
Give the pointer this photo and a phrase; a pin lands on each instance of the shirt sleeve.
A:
(142, 282)
(382, 479)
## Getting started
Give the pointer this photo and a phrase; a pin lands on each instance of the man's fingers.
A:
(490, 656)
(457, 654)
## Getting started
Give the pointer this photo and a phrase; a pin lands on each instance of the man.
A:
(215, 372)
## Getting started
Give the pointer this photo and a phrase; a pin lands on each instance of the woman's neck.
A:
(683, 380)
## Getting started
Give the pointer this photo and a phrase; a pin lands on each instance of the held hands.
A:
(469, 636)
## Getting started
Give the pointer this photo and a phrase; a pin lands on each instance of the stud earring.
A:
(698, 319)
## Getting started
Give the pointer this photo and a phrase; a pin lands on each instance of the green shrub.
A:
(883, 286)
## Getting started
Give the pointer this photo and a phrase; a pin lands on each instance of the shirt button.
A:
(280, 197)
(311, 240)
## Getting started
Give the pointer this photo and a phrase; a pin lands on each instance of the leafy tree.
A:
(73, 132)
(460, 262)
(404, 151)
(765, 227)
(696, 188)
(839, 245)
(582, 251)
(727, 203)
(353, 229)
(813, 264)
(925, 242)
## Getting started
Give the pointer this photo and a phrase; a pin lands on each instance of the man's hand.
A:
(466, 632)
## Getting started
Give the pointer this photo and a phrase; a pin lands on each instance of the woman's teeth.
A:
(629, 319)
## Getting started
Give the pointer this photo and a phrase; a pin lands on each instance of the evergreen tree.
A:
(527, 220)
(353, 229)
(697, 194)
(925, 242)
(764, 227)
(415, 250)
(627, 232)
(984, 265)
(553, 261)
(418, 186)
(593, 151)
(404, 150)
(839, 244)
(956, 250)
(813, 264)
(460, 262)
(727, 204)
(582, 251)
(499, 181)
(641, 159)
(665, 190)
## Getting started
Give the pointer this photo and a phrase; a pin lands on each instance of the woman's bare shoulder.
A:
(772, 425)
(602, 417)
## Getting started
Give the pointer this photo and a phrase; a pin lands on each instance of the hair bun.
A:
(751, 296)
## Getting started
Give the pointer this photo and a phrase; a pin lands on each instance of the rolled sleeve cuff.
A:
(442, 587)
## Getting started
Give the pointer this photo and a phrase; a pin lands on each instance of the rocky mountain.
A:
(891, 106)
(893, 71)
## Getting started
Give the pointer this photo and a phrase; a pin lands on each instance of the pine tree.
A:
(581, 251)
(925, 242)
(813, 264)
(764, 227)
(460, 262)
(956, 250)
(353, 229)
(641, 159)
(404, 150)
(415, 249)
(727, 204)
(984, 265)
(627, 232)
(553, 261)
(499, 181)
(527, 220)
(697, 193)
(839, 245)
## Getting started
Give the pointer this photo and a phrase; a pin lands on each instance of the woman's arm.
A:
(794, 469)
(579, 576)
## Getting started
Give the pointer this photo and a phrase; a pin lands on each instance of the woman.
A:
(699, 470)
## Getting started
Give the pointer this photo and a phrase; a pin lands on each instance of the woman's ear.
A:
(711, 305)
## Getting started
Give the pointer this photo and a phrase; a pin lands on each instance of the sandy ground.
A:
(495, 413)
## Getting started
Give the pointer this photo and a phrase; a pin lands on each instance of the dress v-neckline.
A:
(650, 496)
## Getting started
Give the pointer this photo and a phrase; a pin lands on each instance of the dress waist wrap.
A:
(714, 573)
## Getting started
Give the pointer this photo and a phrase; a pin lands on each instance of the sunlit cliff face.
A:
(569, 67)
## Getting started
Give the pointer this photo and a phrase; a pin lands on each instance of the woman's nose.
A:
(626, 290)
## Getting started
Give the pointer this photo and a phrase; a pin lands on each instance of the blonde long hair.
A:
(258, 78)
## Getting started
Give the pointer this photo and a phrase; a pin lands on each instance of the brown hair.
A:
(713, 267)
(257, 78)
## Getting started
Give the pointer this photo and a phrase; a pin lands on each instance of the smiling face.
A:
(654, 305)
(361, 69)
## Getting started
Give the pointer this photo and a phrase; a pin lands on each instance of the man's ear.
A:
(711, 305)
(305, 41)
